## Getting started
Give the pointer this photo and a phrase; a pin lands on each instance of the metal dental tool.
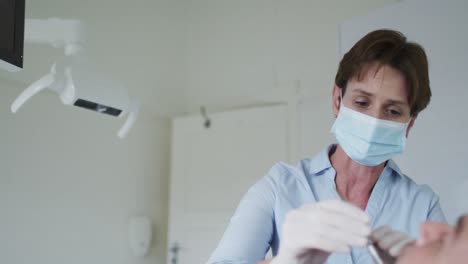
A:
(386, 244)
(375, 255)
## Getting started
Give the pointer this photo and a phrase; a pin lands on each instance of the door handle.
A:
(174, 250)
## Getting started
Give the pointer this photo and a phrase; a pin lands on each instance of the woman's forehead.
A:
(381, 81)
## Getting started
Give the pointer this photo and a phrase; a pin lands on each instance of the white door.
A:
(211, 170)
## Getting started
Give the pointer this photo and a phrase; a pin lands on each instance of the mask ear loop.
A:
(341, 102)
(341, 98)
(410, 119)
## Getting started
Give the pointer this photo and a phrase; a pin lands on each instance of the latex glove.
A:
(313, 231)
(389, 243)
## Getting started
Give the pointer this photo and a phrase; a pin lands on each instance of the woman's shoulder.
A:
(407, 184)
(283, 179)
(421, 201)
(279, 177)
(282, 172)
(417, 190)
(304, 167)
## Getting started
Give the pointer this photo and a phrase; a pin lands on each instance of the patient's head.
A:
(439, 243)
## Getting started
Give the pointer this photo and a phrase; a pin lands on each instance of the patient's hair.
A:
(389, 47)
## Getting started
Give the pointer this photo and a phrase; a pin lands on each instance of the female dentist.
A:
(323, 209)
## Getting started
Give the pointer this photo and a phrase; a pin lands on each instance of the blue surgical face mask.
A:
(368, 140)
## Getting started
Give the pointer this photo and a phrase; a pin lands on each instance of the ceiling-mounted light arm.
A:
(74, 77)
(59, 33)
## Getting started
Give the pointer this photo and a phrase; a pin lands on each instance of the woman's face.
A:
(381, 94)
(439, 244)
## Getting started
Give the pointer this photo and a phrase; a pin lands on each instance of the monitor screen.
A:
(11, 33)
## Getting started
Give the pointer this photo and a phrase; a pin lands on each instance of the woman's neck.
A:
(354, 182)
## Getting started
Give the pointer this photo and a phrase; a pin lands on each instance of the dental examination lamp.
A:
(73, 77)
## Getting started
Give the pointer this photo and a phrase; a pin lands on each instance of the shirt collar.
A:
(321, 162)
(393, 166)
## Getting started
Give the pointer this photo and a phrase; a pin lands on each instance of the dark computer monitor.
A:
(11, 34)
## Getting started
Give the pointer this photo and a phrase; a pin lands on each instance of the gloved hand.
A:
(389, 243)
(313, 231)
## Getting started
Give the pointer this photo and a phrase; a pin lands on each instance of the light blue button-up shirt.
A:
(395, 201)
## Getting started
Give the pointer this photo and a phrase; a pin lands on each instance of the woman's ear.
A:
(336, 99)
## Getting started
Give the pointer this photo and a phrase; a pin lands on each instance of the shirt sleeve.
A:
(435, 211)
(250, 231)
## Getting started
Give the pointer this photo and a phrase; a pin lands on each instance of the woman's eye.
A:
(361, 103)
(394, 112)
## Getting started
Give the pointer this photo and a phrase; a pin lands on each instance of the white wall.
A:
(68, 185)
(240, 49)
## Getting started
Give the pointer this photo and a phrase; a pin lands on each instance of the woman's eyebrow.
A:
(390, 101)
(358, 90)
(396, 102)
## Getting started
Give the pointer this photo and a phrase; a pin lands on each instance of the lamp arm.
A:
(32, 90)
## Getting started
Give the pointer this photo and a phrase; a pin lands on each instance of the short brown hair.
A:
(389, 47)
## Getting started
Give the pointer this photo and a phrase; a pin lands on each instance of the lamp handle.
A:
(131, 118)
(32, 90)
